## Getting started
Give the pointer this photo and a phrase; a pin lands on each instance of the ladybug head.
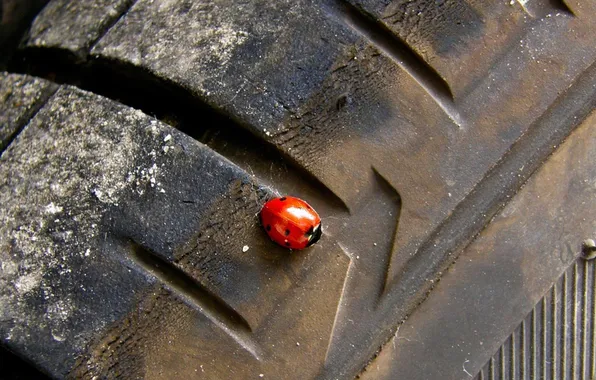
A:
(314, 234)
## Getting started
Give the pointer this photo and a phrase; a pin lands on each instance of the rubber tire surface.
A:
(140, 139)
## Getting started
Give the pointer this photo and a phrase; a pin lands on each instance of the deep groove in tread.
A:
(197, 296)
(172, 105)
(14, 367)
(394, 196)
(381, 37)
(9, 43)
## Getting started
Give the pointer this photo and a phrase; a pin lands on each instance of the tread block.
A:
(57, 178)
(114, 233)
(266, 56)
(74, 25)
(20, 97)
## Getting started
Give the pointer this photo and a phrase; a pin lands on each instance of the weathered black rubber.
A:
(556, 340)
(505, 272)
(408, 125)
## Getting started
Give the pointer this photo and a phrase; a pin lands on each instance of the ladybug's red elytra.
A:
(291, 222)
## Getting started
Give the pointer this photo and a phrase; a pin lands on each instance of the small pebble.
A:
(245, 248)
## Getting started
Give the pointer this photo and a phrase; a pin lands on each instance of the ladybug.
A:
(291, 222)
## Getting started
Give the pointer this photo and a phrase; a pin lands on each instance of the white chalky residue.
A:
(91, 170)
(216, 39)
(28, 282)
(53, 209)
(226, 38)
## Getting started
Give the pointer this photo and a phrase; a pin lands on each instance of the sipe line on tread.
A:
(47, 94)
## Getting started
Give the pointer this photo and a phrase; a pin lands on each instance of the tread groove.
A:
(24, 121)
(544, 338)
(574, 322)
(513, 356)
(179, 108)
(15, 29)
(393, 195)
(564, 324)
(112, 22)
(554, 332)
(381, 37)
(522, 349)
(197, 296)
(533, 345)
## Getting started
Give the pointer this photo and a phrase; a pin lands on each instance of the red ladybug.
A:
(291, 222)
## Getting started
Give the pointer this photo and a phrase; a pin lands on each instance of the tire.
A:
(446, 145)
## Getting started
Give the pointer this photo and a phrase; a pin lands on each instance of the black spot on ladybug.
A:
(268, 227)
(287, 232)
(287, 243)
(283, 199)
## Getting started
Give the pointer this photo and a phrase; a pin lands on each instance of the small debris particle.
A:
(245, 248)
(589, 249)
(261, 375)
(167, 138)
(53, 209)
(297, 343)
